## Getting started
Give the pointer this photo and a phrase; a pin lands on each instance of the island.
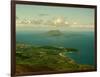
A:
(54, 33)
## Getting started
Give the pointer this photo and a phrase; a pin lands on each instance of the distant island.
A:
(31, 58)
(54, 33)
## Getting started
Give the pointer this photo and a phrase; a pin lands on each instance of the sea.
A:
(83, 41)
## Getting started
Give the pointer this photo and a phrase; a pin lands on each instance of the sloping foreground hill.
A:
(31, 58)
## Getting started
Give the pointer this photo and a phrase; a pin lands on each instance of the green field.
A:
(31, 58)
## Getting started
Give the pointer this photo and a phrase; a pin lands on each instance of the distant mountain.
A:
(54, 33)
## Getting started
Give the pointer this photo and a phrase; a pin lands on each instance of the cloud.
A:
(43, 14)
(54, 21)
(50, 22)
(17, 17)
(57, 22)
(27, 21)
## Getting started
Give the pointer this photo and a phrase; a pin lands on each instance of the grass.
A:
(30, 58)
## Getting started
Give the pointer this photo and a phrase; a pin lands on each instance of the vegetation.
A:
(31, 58)
(54, 33)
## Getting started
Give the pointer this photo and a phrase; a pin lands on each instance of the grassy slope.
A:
(31, 58)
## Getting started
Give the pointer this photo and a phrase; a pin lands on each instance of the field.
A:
(31, 58)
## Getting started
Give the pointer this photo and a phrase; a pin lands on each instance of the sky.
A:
(39, 16)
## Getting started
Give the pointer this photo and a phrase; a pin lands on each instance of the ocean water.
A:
(81, 40)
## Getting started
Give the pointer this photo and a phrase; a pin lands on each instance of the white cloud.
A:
(47, 23)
